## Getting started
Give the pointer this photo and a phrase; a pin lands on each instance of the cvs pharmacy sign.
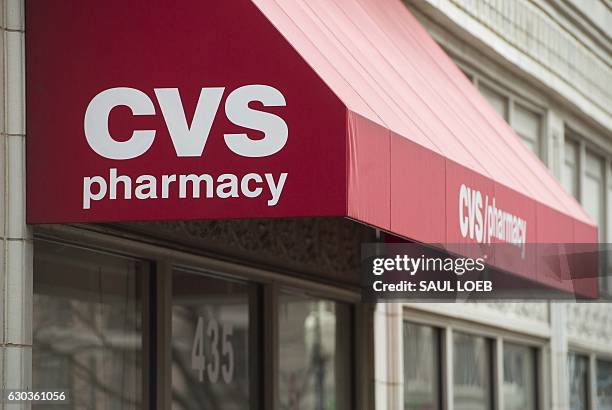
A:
(482, 221)
(224, 120)
(188, 140)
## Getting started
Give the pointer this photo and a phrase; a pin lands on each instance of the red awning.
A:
(361, 115)
(428, 158)
(417, 128)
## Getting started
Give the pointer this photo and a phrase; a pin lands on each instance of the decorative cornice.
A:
(590, 323)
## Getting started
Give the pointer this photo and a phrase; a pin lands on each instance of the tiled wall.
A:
(15, 240)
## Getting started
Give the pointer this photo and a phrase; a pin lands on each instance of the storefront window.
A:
(604, 385)
(578, 367)
(472, 372)
(87, 327)
(314, 353)
(211, 356)
(421, 367)
(519, 377)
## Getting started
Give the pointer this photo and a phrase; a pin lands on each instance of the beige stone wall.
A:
(557, 56)
(538, 39)
(15, 237)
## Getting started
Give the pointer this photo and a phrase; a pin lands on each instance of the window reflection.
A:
(472, 372)
(87, 327)
(578, 367)
(210, 342)
(314, 353)
(604, 385)
(421, 367)
(519, 377)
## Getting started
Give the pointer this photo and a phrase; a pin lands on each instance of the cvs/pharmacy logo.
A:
(189, 140)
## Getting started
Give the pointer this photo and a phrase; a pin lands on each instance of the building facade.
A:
(545, 68)
(266, 314)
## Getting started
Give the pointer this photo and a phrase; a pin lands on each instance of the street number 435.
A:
(219, 363)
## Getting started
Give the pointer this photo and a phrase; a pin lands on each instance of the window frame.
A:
(439, 334)
(513, 98)
(534, 353)
(448, 325)
(585, 145)
(593, 362)
(590, 404)
(148, 317)
(593, 355)
(570, 139)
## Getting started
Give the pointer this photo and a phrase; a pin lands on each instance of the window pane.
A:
(527, 124)
(87, 327)
(421, 367)
(531, 144)
(569, 177)
(468, 75)
(594, 191)
(578, 367)
(314, 353)
(210, 342)
(472, 372)
(498, 101)
(609, 207)
(519, 377)
(606, 280)
(604, 385)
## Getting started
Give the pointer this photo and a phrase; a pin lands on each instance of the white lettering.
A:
(252, 185)
(96, 123)
(274, 128)
(276, 188)
(114, 180)
(229, 188)
(244, 185)
(195, 180)
(189, 141)
(463, 203)
(496, 223)
(88, 195)
(147, 187)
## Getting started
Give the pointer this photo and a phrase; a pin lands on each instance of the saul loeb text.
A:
(424, 274)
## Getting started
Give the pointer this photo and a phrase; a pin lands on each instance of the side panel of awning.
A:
(406, 189)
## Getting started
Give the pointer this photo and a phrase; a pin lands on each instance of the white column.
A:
(498, 366)
(558, 349)
(381, 380)
(388, 361)
(16, 239)
(395, 357)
